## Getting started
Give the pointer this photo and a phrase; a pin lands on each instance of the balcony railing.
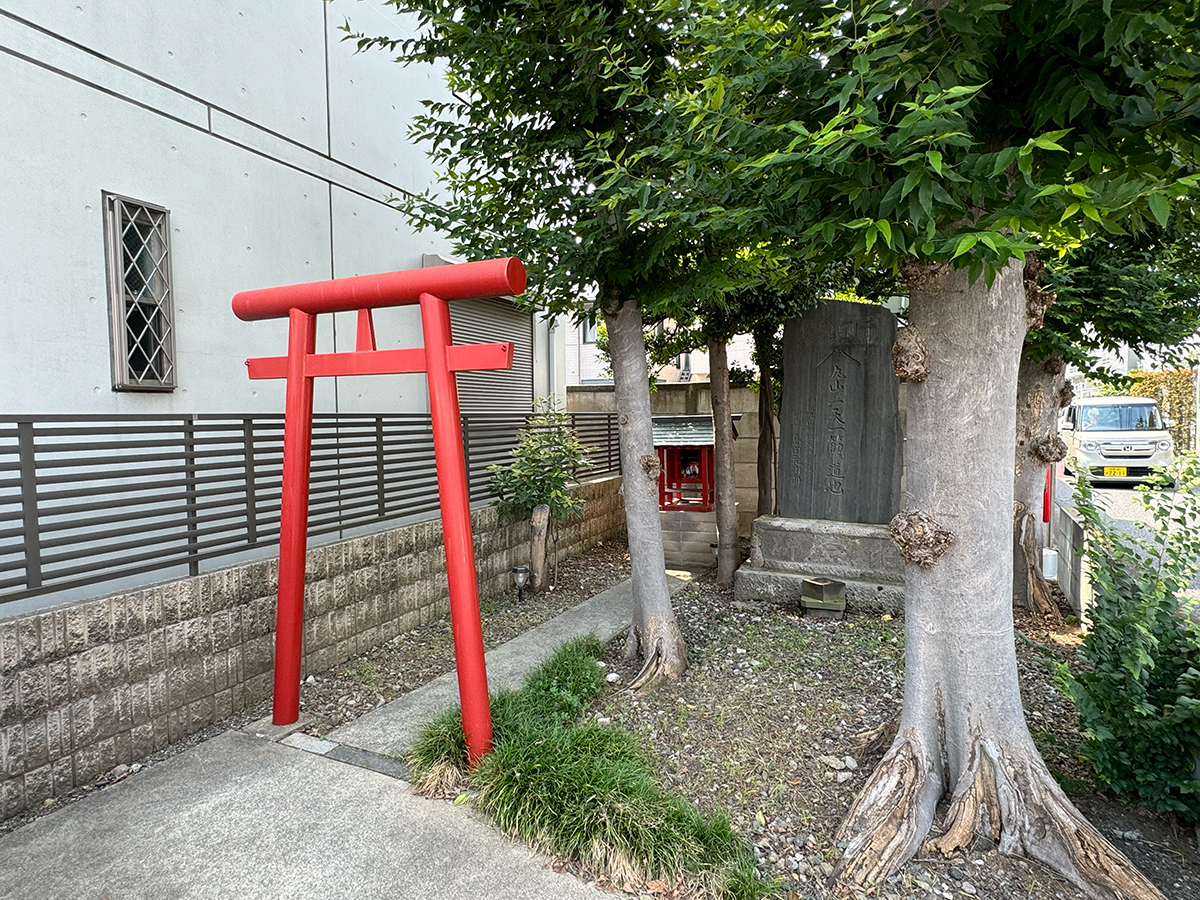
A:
(91, 499)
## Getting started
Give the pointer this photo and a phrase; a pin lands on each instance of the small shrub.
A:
(554, 694)
(586, 792)
(741, 375)
(548, 458)
(1139, 698)
(589, 793)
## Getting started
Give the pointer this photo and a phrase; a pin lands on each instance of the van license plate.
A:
(1114, 471)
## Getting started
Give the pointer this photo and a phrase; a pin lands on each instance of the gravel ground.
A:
(767, 726)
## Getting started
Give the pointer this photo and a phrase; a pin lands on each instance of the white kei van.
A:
(1118, 439)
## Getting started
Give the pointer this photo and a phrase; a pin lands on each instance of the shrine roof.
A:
(687, 431)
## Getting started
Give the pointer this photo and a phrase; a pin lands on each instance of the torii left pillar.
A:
(432, 289)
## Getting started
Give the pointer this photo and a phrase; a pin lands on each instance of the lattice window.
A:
(139, 293)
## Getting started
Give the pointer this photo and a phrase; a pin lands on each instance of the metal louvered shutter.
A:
(486, 322)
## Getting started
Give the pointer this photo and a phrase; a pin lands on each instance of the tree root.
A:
(648, 672)
(1007, 797)
(1016, 796)
(664, 652)
(1041, 600)
(877, 739)
(889, 818)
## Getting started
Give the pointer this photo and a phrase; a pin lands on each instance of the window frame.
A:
(587, 331)
(116, 207)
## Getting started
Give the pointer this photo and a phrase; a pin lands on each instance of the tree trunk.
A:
(728, 557)
(766, 444)
(1041, 389)
(962, 730)
(654, 634)
(539, 532)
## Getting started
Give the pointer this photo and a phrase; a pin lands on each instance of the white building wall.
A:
(584, 365)
(272, 143)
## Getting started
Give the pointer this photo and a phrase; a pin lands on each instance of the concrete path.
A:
(266, 814)
(241, 817)
(390, 729)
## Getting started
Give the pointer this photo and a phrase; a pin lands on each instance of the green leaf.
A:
(1160, 208)
(1004, 159)
(718, 94)
(885, 229)
(965, 243)
(1134, 29)
(1047, 144)
(911, 180)
(935, 160)
(925, 193)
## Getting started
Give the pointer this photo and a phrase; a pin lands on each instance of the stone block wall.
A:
(96, 684)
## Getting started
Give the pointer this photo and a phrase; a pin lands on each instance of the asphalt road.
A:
(1120, 504)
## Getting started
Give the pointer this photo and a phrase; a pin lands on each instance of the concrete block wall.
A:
(1074, 573)
(688, 537)
(96, 684)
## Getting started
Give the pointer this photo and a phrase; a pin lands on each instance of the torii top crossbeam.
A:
(439, 359)
(461, 281)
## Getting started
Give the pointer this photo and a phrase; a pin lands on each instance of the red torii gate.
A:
(439, 359)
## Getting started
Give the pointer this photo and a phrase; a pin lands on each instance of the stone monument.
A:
(839, 463)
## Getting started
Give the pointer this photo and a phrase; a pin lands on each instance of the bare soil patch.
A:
(347, 691)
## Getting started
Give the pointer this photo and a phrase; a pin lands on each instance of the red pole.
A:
(293, 522)
(456, 526)
(1047, 494)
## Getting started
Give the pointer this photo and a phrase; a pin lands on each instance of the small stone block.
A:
(265, 728)
(307, 742)
(823, 591)
(364, 759)
(823, 597)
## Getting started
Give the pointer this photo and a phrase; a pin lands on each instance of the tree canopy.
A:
(540, 110)
(1139, 290)
(943, 131)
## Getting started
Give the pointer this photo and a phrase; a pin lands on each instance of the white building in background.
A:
(160, 156)
(586, 365)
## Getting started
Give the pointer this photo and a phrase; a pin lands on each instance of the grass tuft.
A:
(586, 792)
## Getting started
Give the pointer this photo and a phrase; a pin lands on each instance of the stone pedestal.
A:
(784, 552)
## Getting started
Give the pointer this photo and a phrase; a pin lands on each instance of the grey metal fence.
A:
(90, 499)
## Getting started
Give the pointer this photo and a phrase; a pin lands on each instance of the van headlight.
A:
(1089, 446)
(1164, 445)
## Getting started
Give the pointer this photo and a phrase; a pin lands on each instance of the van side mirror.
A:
(1067, 425)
